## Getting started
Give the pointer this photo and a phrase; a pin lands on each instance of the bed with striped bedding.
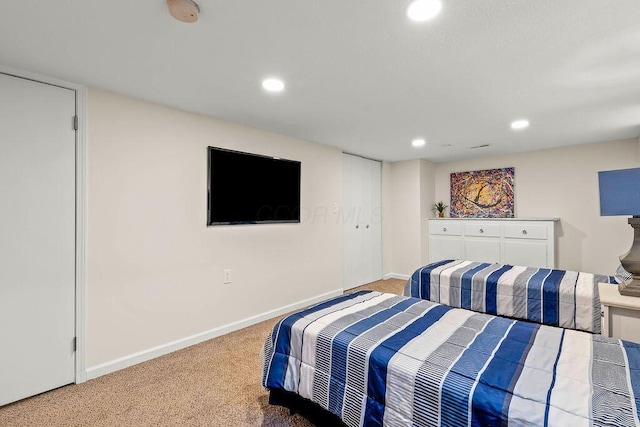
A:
(568, 299)
(378, 359)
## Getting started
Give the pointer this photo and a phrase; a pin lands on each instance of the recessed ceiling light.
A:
(520, 124)
(184, 10)
(418, 142)
(273, 85)
(423, 10)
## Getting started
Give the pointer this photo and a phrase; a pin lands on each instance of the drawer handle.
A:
(357, 226)
(481, 230)
(524, 231)
(367, 225)
(444, 229)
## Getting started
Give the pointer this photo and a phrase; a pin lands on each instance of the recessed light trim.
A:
(423, 10)
(520, 124)
(273, 84)
(184, 10)
(418, 142)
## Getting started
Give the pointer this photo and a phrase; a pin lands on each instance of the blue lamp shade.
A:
(620, 192)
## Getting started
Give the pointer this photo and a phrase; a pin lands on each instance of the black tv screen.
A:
(248, 188)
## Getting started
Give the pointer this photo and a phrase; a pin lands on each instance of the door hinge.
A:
(74, 343)
(75, 122)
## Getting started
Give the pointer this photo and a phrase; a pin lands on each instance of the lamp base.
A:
(630, 288)
(631, 262)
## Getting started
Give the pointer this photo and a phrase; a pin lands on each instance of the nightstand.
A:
(620, 314)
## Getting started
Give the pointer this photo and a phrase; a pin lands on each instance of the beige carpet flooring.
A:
(215, 383)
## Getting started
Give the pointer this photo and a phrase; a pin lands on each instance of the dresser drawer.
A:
(451, 228)
(525, 231)
(479, 229)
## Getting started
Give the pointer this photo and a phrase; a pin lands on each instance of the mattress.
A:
(553, 297)
(378, 359)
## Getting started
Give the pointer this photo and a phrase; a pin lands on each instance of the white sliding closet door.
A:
(362, 221)
(37, 237)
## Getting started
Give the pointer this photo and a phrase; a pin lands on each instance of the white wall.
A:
(405, 216)
(563, 183)
(154, 268)
(408, 191)
(427, 199)
(387, 218)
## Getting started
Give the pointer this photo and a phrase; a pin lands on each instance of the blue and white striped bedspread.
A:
(569, 299)
(378, 359)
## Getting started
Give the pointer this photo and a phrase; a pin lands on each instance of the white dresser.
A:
(515, 241)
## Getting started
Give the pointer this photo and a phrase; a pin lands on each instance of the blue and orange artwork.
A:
(483, 194)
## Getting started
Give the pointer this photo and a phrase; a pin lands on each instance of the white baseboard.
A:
(396, 276)
(161, 350)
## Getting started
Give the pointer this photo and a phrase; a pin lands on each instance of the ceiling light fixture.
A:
(418, 142)
(273, 84)
(423, 10)
(520, 124)
(184, 10)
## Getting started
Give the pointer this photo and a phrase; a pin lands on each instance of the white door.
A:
(532, 253)
(371, 227)
(351, 217)
(482, 250)
(37, 237)
(444, 247)
(362, 221)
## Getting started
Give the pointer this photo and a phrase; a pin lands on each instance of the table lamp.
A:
(620, 195)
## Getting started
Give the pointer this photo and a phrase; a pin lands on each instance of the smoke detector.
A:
(184, 10)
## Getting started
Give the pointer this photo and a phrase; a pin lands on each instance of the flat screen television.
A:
(245, 188)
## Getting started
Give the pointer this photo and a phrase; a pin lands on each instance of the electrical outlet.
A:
(226, 277)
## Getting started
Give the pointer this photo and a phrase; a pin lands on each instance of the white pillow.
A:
(621, 275)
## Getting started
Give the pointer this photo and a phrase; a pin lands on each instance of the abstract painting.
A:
(482, 194)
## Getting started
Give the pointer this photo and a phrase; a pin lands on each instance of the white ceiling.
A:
(359, 75)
